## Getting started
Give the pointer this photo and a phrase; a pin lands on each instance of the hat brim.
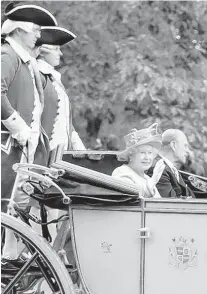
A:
(30, 13)
(156, 142)
(55, 36)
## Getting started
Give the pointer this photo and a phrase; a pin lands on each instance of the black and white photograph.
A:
(103, 147)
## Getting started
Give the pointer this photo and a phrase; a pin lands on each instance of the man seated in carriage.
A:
(172, 183)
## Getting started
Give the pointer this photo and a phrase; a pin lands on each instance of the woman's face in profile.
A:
(143, 157)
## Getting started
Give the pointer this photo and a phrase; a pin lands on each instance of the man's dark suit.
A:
(168, 185)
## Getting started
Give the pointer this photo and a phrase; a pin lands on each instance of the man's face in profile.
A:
(30, 38)
(181, 151)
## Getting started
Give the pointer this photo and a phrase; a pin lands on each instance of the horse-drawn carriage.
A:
(121, 244)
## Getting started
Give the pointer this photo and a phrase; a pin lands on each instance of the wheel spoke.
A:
(49, 266)
(42, 267)
(21, 272)
(47, 277)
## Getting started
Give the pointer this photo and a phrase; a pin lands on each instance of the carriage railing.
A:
(197, 181)
(193, 175)
(51, 172)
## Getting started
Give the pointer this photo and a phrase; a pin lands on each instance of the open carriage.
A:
(121, 244)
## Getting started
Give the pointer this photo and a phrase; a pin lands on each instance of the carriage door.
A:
(107, 249)
(175, 258)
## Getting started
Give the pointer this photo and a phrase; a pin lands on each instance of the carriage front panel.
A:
(176, 253)
(108, 249)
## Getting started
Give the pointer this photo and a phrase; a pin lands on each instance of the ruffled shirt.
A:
(61, 132)
(127, 174)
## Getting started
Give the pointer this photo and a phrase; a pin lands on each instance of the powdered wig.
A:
(10, 26)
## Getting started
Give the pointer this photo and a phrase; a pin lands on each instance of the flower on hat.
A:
(136, 138)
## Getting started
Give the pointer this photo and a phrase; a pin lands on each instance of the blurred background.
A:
(134, 63)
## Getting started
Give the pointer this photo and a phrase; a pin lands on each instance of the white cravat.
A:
(61, 126)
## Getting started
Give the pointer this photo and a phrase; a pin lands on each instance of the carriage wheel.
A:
(48, 264)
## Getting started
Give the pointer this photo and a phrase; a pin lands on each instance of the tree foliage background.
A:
(134, 63)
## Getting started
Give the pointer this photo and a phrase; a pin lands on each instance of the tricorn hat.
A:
(148, 136)
(55, 36)
(29, 13)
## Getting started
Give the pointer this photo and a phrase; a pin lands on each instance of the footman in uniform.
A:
(22, 101)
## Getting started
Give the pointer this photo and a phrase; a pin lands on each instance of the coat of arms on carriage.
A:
(182, 253)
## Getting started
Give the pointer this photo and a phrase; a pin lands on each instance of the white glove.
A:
(151, 182)
(23, 136)
(150, 188)
(18, 128)
(158, 170)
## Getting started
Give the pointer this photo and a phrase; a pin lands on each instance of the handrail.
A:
(190, 174)
(52, 172)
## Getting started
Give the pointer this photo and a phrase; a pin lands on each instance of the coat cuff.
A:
(18, 127)
(15, 124)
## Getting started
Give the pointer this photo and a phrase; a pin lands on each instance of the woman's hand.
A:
(151, 182)
(150, 188)
(158, 170)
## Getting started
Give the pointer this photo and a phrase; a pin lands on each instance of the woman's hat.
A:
(30, 13)
(150, 136)
(56, 36)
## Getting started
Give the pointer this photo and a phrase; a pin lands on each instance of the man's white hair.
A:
(10, 25)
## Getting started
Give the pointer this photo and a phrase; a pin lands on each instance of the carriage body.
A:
(153, 246)
(157, 247)
(123, 244)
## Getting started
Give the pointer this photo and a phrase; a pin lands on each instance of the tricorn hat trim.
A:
(10, 12)
(55, 36)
